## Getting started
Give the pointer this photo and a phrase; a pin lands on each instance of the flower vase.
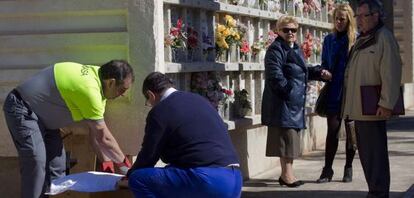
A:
(291, 7)
(177, 55)
(239, 111)
(263, 5)
(242, 112)
(223, 111)
(255, 57)
(262, 54)
(243, 57)
(251, 3)
(223, 57)
(234, 53)
(190, 55)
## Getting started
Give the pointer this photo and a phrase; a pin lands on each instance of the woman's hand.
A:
(326, 75)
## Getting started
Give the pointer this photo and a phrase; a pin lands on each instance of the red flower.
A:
(179, 23)
(245, 47)
(227, 92)
(175, 31)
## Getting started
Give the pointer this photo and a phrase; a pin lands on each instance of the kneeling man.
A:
(186, 132)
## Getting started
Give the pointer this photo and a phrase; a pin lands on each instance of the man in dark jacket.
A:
(186, 132)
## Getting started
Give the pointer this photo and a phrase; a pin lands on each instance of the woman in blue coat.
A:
(335, 50)
(283, 105)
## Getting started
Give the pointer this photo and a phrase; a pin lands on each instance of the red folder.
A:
(370, 96)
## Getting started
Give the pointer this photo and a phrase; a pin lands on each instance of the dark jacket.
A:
(334, 58)
(286, 76)
(185, 131)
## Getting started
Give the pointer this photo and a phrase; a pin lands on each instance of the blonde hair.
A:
(351, 26)
(286, 20)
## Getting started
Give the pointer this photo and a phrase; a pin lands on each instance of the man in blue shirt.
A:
(186, 132)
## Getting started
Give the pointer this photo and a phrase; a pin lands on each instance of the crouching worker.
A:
(54, 98)
(186, 132)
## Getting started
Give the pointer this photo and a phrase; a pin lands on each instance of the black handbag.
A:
(321, 106)
(322, 101)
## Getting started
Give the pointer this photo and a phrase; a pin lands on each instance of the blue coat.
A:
(286, 77)
(334, 58)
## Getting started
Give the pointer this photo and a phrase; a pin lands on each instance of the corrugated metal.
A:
(35, 34)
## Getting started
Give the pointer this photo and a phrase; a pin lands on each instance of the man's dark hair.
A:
(117, 69)
(375, 6)
(156, 82)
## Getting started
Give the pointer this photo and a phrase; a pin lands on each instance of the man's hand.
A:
(124, 166)
(108, 166)
(326, 75)
(384, 112)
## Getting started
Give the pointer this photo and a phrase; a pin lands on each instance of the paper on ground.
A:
(85, 182)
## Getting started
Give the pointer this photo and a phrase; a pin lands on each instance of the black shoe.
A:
(347, 175)
(292, 185)
(326, 176)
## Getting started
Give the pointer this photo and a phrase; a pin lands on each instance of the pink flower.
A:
(307, 45)
(245, 47)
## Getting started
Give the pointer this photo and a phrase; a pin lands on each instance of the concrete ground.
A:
(309, 167)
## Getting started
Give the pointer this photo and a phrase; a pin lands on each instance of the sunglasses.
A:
(287, 30)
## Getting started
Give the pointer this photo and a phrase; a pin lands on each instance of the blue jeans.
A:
(202, 182)
(41, 153)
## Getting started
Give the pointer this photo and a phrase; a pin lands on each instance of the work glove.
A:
(107, 166)
(124, 166)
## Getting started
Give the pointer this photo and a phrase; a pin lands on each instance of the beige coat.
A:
(374, 60)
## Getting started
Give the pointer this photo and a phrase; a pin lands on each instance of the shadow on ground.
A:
(313, 193)
(405, 123)
(275, 190)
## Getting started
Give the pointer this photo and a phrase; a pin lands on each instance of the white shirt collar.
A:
(168, 93)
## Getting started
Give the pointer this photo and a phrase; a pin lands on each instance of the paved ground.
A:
(308, 168)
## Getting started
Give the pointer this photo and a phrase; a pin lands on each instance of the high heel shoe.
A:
(292, 185)
(347, 175)
(326, 176)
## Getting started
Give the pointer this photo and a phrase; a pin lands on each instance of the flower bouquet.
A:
(177, 40)
(207, 84)
(257, 47)
(273, 5)
(317, 46)
(307, 46)
(244, 50)
(311, 5)
(271, 36)
(298, 6)
(228, 35)
(227, 100)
